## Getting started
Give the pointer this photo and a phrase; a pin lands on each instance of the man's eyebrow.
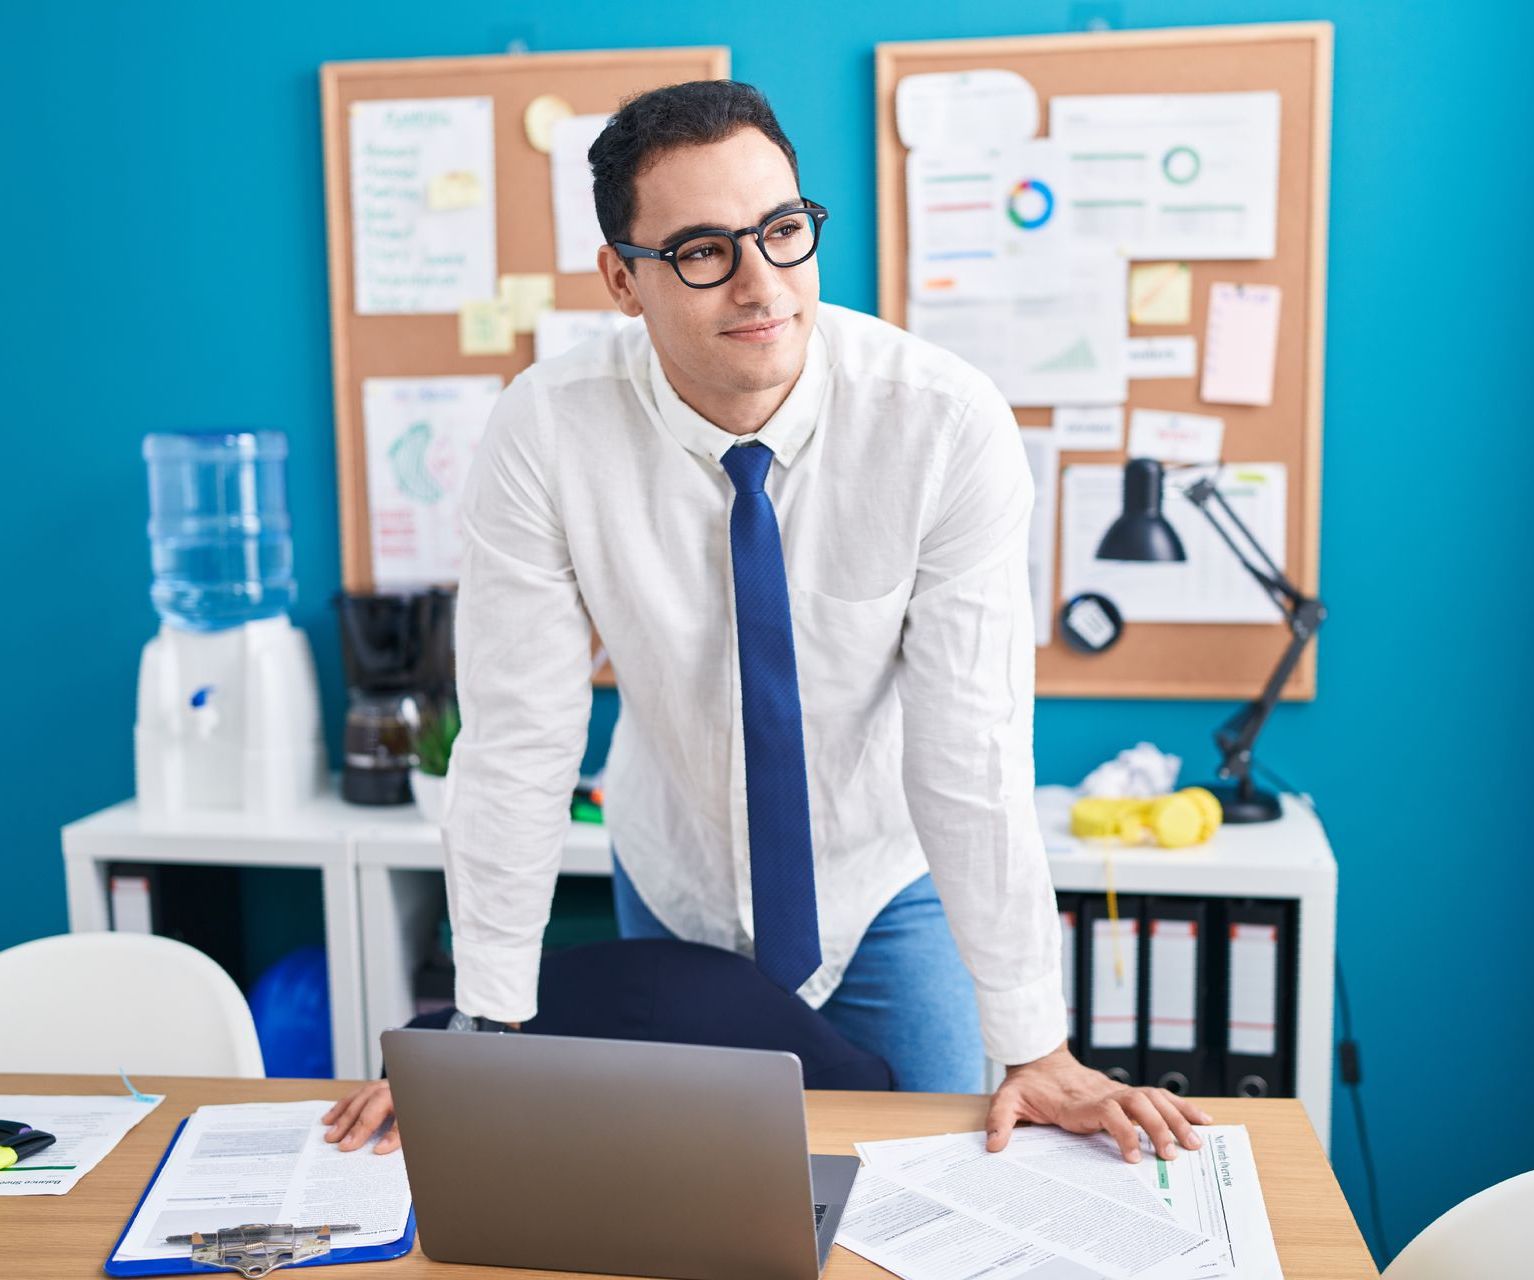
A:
(692, 229)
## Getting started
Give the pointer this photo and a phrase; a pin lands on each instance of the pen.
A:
(335, 1228)
(18, 1141)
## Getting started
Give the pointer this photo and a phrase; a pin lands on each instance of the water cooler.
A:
(228, 704)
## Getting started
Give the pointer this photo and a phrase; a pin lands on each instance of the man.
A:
(801, 534)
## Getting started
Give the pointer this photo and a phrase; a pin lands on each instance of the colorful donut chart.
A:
(1042, 197)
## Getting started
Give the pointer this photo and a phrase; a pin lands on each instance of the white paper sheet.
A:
(267, 1162)
(558, 331)
(1089, 428)
(1211, 585)
(1181, 176)
(408, 257)
(1044, 464)
(988, 222)
(1043, 351)
(577, 234)
(1241, 344)
(1175, 356)
(964, 108)
(421, 434)
(87, 1128)
(927, 1203)
(1175, 437)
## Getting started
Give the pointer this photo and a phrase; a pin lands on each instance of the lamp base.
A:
(1243, 802)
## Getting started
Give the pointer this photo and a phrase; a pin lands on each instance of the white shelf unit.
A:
(315, 836)
(381, 871)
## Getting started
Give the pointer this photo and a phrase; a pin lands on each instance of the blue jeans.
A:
(906, 994)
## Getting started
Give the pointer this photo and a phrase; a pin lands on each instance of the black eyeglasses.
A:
(708, 257)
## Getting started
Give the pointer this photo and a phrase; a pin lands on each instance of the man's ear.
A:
(619, 279)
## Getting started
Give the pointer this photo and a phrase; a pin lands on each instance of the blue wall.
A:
(165, 226)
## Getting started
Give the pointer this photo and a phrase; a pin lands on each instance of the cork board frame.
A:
(368, 346)
(1167, 660)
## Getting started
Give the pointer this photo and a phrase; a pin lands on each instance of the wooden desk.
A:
(54, 1237)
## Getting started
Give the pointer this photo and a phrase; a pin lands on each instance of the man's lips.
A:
(763, 331)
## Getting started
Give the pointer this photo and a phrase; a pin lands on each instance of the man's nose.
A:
(756, 280)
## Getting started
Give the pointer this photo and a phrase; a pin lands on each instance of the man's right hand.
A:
(357, 1116)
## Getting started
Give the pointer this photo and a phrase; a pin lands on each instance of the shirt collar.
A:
(785, 433)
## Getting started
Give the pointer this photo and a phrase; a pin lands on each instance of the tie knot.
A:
(747, 466)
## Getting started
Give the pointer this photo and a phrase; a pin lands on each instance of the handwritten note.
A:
(423, 204)
(1241, 344)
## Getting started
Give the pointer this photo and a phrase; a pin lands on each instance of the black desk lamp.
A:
(1142, 533)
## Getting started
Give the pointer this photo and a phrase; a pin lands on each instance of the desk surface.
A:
(53, 1237)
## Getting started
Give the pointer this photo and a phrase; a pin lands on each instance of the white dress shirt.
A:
(903, 496)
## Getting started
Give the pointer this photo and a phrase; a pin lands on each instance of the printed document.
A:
(87, 1128)
(1061, 1206)
(267, 1162)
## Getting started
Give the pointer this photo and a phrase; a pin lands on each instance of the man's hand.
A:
(357, 1116)
(1058, 1090)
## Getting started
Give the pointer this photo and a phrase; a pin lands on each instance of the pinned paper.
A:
(1175, 437)
(484, 328)
(1089, 427)
(456, 189)
(409, 256)
(559, 331)
(539, 119)
(964, 108)
(577, 233)
(524, 296)
(1241, 344)
(1160, 293)
(1175, 357)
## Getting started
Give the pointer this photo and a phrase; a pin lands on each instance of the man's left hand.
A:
(1058, 1090)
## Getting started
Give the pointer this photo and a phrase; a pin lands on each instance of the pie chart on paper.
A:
(1031, 204)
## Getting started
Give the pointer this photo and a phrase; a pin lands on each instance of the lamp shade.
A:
(1142, 532)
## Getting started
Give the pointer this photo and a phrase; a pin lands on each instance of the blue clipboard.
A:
(185, 1266)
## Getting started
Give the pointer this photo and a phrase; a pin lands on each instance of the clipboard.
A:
(185, 1266)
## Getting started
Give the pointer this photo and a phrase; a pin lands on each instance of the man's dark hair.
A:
(680, 115)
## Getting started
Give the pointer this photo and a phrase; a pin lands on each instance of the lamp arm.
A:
(1304, 614)
(1284, 593)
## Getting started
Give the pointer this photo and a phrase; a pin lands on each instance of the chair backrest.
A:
(1486, 1236)
(95, 1003)
(684, 993)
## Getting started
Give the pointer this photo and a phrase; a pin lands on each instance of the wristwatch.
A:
(461, 1021)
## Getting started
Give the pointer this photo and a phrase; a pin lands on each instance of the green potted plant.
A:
(433, 749)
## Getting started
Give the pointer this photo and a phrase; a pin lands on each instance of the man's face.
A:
(749, 334)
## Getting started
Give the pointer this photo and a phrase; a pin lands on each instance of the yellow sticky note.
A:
(484, 328)
(525, 296)
(539, 119)
(1161, 293)
(457, 189)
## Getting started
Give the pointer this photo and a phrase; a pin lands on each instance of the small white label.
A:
(1174, 357)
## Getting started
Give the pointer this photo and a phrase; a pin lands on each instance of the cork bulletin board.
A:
(412, 345)
(1178, 660)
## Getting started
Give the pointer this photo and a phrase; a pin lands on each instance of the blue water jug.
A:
(220, 538)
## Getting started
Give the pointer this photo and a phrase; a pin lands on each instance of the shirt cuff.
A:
(1023, 1023)
(495, 982)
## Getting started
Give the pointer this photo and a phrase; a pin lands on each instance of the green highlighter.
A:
(18, 1141)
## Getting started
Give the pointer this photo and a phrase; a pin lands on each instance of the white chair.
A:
(1486, 1236)
(95, 1002)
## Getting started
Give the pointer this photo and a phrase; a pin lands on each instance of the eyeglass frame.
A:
(818, 215)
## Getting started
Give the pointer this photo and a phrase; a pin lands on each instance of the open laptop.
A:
(616, 1156)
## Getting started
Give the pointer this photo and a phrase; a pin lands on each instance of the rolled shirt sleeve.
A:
(522, 638)
(966, 678)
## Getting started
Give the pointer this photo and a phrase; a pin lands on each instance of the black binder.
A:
(1175, 948)
(1259, 999)
(1111, 1024)
(1069, 905)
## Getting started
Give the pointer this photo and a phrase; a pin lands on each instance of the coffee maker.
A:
(397, 651)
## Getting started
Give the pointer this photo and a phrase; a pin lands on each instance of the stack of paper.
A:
(86, 1129)
(1060, 1206)
(267, 1162)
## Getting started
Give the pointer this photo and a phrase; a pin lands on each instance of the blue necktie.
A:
(777, 789)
